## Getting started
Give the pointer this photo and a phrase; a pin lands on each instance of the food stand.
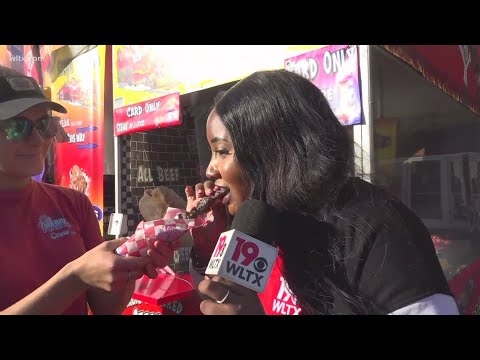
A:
(135, 111)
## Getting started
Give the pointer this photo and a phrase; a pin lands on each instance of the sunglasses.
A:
(20, 128)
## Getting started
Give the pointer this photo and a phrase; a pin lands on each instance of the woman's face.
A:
(223, 167)
(24, 158)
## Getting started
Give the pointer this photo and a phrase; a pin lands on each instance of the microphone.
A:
(244, 254)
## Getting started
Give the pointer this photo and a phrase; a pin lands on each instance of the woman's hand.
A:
(227, 298)
(101, 268)
(161, 254)
(205, 237)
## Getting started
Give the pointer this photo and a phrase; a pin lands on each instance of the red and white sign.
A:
(155, 113)
(243, 260)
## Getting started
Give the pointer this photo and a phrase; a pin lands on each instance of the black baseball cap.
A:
(19, 93)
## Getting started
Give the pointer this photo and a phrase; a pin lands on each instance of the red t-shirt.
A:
(43, 227)
(277, 298)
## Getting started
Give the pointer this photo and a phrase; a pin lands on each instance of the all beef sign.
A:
(155, 113)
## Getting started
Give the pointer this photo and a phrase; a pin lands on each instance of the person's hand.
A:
(161, 255)
(224, 297)
(205, 237)
(101, 268)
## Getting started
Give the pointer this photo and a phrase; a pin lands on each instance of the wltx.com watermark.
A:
(22, 58)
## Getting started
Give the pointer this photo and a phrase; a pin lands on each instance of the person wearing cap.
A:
(53, 259)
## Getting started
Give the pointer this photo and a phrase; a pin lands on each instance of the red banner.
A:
(79, 163)
(155, 113)
(453, 68)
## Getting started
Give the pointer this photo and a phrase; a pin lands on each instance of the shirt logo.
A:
(285, 302)
(55, 228)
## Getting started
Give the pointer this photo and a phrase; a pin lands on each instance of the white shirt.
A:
(437, 304)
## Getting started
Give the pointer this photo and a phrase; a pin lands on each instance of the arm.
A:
(99, 300)
(98, 268)
(53, 297)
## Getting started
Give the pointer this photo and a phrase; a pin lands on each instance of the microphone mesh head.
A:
(259, 220)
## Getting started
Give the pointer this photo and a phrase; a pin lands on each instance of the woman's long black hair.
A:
(296, 156)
